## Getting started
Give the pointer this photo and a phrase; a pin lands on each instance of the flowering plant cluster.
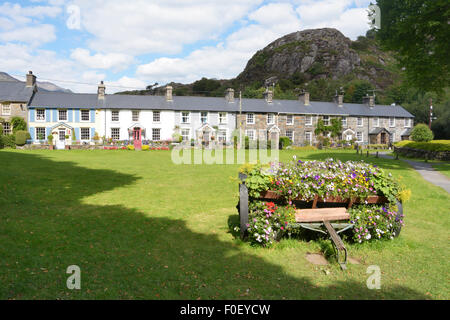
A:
(375, 222)
(268, 222)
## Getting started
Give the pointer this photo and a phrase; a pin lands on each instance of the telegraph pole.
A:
(431, 111)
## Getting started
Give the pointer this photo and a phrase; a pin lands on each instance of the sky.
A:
(134, 43)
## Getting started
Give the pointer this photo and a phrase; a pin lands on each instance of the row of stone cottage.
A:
(157, 118)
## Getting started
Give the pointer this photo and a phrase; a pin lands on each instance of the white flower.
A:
(368, 236)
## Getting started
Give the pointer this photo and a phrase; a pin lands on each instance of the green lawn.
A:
(140, 227)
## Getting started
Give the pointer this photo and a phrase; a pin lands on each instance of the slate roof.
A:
(407, 132)
(213, 104)
(378, 130)
(15, 91)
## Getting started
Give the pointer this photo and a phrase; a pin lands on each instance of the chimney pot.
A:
(269, 96)
(169, 93)
(304, 97)
(31, 79)
(229, 96)
(101, 90)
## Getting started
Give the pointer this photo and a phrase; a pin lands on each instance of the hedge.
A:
(435, 145)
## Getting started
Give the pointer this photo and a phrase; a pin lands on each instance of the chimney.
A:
(101, 90)
(304, 97)
(339, 99)
(169, 93)
(269, 96)
(229, 96)
(369, 101)
(31, 79)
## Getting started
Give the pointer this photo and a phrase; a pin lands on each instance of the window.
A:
(270, 118)
(308, 120)
(62, 115)
(289, 119)
(222, 135)
(6, 110)
(359, 122)
(156, 116)
(40, 133)
(85, 115)
(290, 134)
(376, 122)
(359, 136)
(308, 137)
(391, 122)
(392, 137)
(40, 114)
(250, 118)
(204, 117)
(6, 128)
(115, 133)
(408, 122)
(250, 134)
(135, 115)
(185, 117)
(222, 117)
(85, 133)
(326, 120)
(344, 121)
(115, 115)
(185, 134)
(156, 134)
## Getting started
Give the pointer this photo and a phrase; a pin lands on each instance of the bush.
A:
(22, 137)
(130, 147)
(421, 133)
(145, 147)
(18, 124)
(435, 145)
(9, 141)
(1, 142)
(285, 142)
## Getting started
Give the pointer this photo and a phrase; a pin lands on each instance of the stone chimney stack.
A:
(169, 93)
(229, 96)
(304, 97)
(31, 79)
(269, 96)
(101, 90)
(369, 101)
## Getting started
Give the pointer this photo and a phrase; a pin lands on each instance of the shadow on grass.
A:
(125, 254)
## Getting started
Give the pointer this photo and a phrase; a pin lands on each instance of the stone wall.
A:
(424, 154)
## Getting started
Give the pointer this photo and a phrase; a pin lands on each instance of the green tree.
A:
(18, 124)
(421, 133)
(418, 31)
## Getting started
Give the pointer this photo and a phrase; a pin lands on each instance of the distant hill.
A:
(43, 85)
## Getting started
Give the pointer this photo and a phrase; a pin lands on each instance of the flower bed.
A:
(327, 181)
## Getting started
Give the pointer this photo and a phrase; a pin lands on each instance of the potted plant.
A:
(41, 138)
(50, 141)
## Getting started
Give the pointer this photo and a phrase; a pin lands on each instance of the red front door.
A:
(137, 137)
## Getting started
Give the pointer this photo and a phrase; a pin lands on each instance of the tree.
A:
(418, 31)
(18, 124)
(421, 133)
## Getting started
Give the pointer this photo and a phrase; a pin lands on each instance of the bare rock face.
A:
(317, 53)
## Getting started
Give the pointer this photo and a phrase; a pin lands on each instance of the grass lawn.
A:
(443, 168)
(141, 227)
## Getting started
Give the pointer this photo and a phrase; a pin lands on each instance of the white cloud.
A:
(117, 61)
(34, 35)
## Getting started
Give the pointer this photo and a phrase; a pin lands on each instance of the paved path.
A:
(427, 172)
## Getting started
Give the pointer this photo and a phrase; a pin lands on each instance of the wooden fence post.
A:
(243, 205)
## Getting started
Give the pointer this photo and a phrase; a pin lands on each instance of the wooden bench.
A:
(314, 219)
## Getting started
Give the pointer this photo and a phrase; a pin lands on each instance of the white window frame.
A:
(392, 125)
(59, 115)
(43, 118)
(204, 117)
(357, 122)
(5, 107)
(252, 118)
(326, 121)
(344, 121)
(376, 122)
(187, 136)
(88, 134)
(188, 116)
(362, 136)
(221, 136)
(308, 141)
(308, 120)
(37, 134)
(118, 129)
(253, 134)
(113, 112)
(293, 133)
(153, 134)
(270, 118)
(223, 118)
(290, 123)
(159, 116)
(408, 122)
(89, 115)
(133, 114)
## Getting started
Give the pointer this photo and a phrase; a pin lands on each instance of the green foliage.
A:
(356, 90)
(49, 138)
(285, 142)
(435, 145)
(1, 141)
(418, 31)
(205, 86)
(258, 180)
(21, 137)
(421, 133)
(18, 124)
(9, 141)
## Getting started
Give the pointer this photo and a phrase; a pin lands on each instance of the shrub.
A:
(435, 145)
(421, 133)
(145, 147)
(285, 142)
(18, 124)
(130, 147)
(21, 137)
(9, 141)
(50, 139)
(1, 142)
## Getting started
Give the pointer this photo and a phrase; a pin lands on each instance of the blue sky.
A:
(130, 44)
